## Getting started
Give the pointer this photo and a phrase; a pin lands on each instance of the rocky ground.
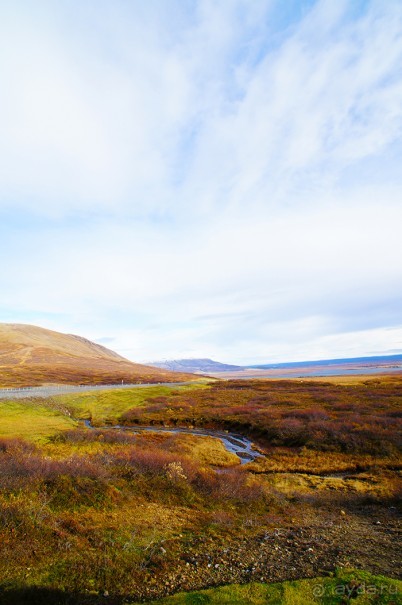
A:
(368, 539)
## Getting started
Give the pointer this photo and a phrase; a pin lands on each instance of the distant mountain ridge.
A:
(382, 359)
(30, 356)
(322, 367)
(195, 366)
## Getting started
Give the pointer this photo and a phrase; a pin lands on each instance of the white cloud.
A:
(196, 181)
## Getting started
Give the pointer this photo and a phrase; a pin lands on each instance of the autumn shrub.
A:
(234, 485)
(394, 414)
(230, 485)
(110, 436)
(307, 414)
(11, 515)
(359, 418)
(75, 491)
(136, 461)
(159, 399)
(22, 465)
(175, 472)
(16, 445)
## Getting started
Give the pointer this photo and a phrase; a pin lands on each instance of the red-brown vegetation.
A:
(103, 511)
(362, 418)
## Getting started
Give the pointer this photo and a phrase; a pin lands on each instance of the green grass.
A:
(106, 407)
(347, 586)
(37, 420)
(32, 421)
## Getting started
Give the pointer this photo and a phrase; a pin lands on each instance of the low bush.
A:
(363, 418)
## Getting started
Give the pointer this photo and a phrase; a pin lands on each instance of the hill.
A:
(30, 356)
(195, 366)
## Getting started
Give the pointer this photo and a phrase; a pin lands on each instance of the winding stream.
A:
(234, 443)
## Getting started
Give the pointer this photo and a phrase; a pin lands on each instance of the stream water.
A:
(234, 443)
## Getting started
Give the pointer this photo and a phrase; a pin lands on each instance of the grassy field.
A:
(32, 421)
(108, 407)
(37, 419)
(95, 516)
(358, 587)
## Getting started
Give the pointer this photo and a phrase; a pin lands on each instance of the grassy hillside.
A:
(30, 356)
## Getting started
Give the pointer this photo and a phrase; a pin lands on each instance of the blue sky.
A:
(202, 178)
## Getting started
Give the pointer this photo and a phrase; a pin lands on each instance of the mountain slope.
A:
(30, 356)
(194, 366)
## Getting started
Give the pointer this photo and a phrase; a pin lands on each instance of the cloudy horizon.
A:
(204, 179)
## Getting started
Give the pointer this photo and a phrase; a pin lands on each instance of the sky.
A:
(204, 178)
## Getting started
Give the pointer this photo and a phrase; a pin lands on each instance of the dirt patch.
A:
(366, 539)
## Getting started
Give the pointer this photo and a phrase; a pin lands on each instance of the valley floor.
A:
(109, 516)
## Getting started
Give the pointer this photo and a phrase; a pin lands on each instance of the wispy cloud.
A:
(202, 178)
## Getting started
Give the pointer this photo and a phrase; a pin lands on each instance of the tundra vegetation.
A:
(110, 516)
